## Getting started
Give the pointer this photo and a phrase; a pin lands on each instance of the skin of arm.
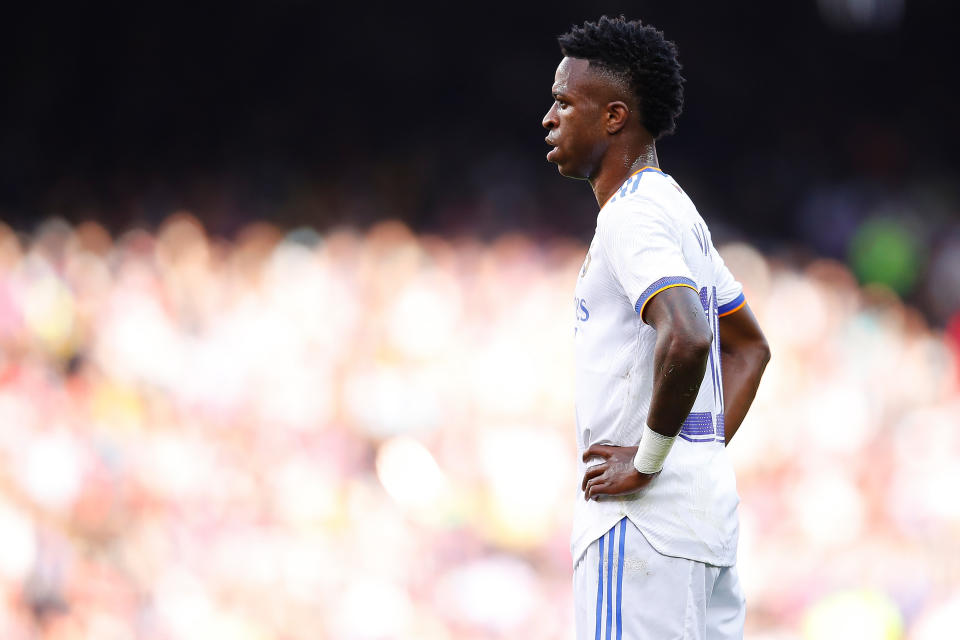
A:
(744, 355)
(679, 361)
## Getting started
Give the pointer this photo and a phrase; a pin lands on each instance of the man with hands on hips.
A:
(668, 355)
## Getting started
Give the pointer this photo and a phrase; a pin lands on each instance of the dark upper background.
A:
(800, 120)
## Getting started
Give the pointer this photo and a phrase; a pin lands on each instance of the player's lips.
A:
(553, 143)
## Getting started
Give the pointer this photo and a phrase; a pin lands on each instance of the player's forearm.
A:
(742, 370)
(680, 360)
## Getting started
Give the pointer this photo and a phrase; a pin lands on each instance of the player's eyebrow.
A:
(559, 93)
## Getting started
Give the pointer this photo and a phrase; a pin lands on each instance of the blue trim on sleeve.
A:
(732, 305)
(660, 285)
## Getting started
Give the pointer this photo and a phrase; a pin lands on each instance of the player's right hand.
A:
(616, 475)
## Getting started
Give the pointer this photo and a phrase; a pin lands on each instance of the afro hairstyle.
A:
(642, 56)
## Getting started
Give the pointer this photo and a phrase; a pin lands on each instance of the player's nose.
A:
(550, 119)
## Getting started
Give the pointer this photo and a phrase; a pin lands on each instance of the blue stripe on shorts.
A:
(607, 542)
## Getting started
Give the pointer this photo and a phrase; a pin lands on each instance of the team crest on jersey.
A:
(586, 265)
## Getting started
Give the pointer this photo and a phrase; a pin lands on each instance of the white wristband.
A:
(652, 451)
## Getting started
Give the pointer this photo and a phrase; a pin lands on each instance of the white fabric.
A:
(652, 451)
(650, 236)
(632, 592)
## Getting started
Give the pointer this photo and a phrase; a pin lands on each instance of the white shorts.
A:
(624, 589)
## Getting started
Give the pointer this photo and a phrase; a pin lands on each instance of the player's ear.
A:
(617, 114)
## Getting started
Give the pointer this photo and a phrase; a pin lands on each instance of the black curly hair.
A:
(640, 54)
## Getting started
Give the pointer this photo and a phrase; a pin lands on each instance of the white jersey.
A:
(649, 237)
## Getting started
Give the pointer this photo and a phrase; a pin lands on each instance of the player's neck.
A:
(618, 165)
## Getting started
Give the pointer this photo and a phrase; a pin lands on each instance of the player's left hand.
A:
(616, 475)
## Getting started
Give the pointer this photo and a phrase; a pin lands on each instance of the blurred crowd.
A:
(369, 435)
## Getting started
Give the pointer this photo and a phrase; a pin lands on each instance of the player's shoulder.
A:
(645, 186)
(649, 194)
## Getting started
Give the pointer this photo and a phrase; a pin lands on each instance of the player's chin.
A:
(557, 158)
(570, 170)
(566, 165)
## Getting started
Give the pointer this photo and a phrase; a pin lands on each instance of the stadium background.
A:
(285, 308)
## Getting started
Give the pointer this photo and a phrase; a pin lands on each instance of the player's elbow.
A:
(699, 345)
(763, 352)
(691, 344)
(758, 350)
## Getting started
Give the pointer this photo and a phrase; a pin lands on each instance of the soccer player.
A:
(655, 532)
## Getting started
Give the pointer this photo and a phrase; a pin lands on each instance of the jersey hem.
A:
(602, 526)
(689, 556)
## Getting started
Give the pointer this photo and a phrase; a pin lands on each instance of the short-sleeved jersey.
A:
(649, 237)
